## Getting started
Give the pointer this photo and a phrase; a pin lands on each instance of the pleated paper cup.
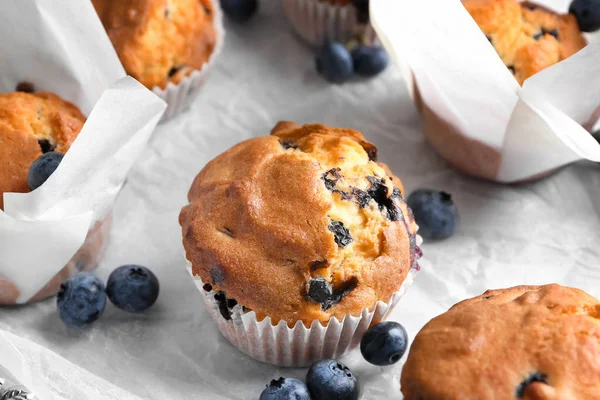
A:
(179, 96)
(315, 21)
(297, 346)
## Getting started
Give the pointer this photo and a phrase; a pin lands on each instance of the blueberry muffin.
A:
(159, 41)
(526, 342)
(527, 37)
(32, 124)
(302, 225)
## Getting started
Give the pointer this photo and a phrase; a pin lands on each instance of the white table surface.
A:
(544, 232)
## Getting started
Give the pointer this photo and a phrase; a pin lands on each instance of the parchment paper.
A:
(539, 233)
(62, 47)
(536, 128)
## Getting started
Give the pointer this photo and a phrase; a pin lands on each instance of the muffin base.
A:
(297, 346)
(87, 258)
(315, 21)
(179, 97)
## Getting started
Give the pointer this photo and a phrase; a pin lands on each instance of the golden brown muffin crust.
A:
(528, 37)
(529, 342)
(159, 41)
(260, 224)
(30, 123)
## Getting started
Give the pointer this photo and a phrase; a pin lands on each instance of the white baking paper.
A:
(543, 232)
(61, 47)
(536, 128)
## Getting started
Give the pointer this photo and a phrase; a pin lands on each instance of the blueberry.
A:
(533, 377)
(587, 13)
(330, 379)
(239, 10)
(319, 290)
(341, 234)
(334, 62)
(285, 389)
(369, 60)
(81, 300)
(434, 212)
(384, 343)
(42, 168)
(132, 288)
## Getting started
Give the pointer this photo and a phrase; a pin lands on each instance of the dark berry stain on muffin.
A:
(533, 377)
(379, 193)
(225, 305)
(45, 145)
(173, 71)
(341, 233)
(339, 293)
(317, 265)
(207, 287)
(167, 13)
(322, 292)
(512, 68)
(319, 290)
(544, 32)
(331, 178)
(288, 145)
(207, 10)
(228, 232)
(370, 149)
(488, 297)
(26, 87)
(217, 275)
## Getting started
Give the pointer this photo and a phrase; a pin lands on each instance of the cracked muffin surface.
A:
(159, 41)
(526, 342)
(32, 124)
(301, 225)
(527, 37)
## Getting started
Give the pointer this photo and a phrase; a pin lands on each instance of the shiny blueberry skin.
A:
(81, 300)
(239, 10)
(42, 168)
(434, 212)
(330, 379)
(132, 288)
(285, 389)
(369, 60)
(334, 62)
(587, 13)
(384, 344)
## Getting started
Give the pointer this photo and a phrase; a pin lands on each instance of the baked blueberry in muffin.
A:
(32, 124)
(302, 225)
(527, 36)
(526, 342)
(159, 41)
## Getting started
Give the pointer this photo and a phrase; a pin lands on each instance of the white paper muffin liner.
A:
(179, 97)
(316, 20)
(298, 346)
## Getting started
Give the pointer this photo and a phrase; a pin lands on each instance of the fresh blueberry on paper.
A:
(369, 60)
(434, 212)
(42, 168)
(81, 300)
(587, 13)
(239, 10)
(285, 389)
(132, 288)
(330, 379)
(384, 344)
(334, 62)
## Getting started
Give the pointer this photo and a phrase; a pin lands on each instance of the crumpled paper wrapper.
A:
(473, 111)
(58, 47)
(543, 232)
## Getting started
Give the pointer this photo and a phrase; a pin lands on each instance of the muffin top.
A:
(32, 124)
(301, 225)
(526, 342)
(159, 41)
(528, 37)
